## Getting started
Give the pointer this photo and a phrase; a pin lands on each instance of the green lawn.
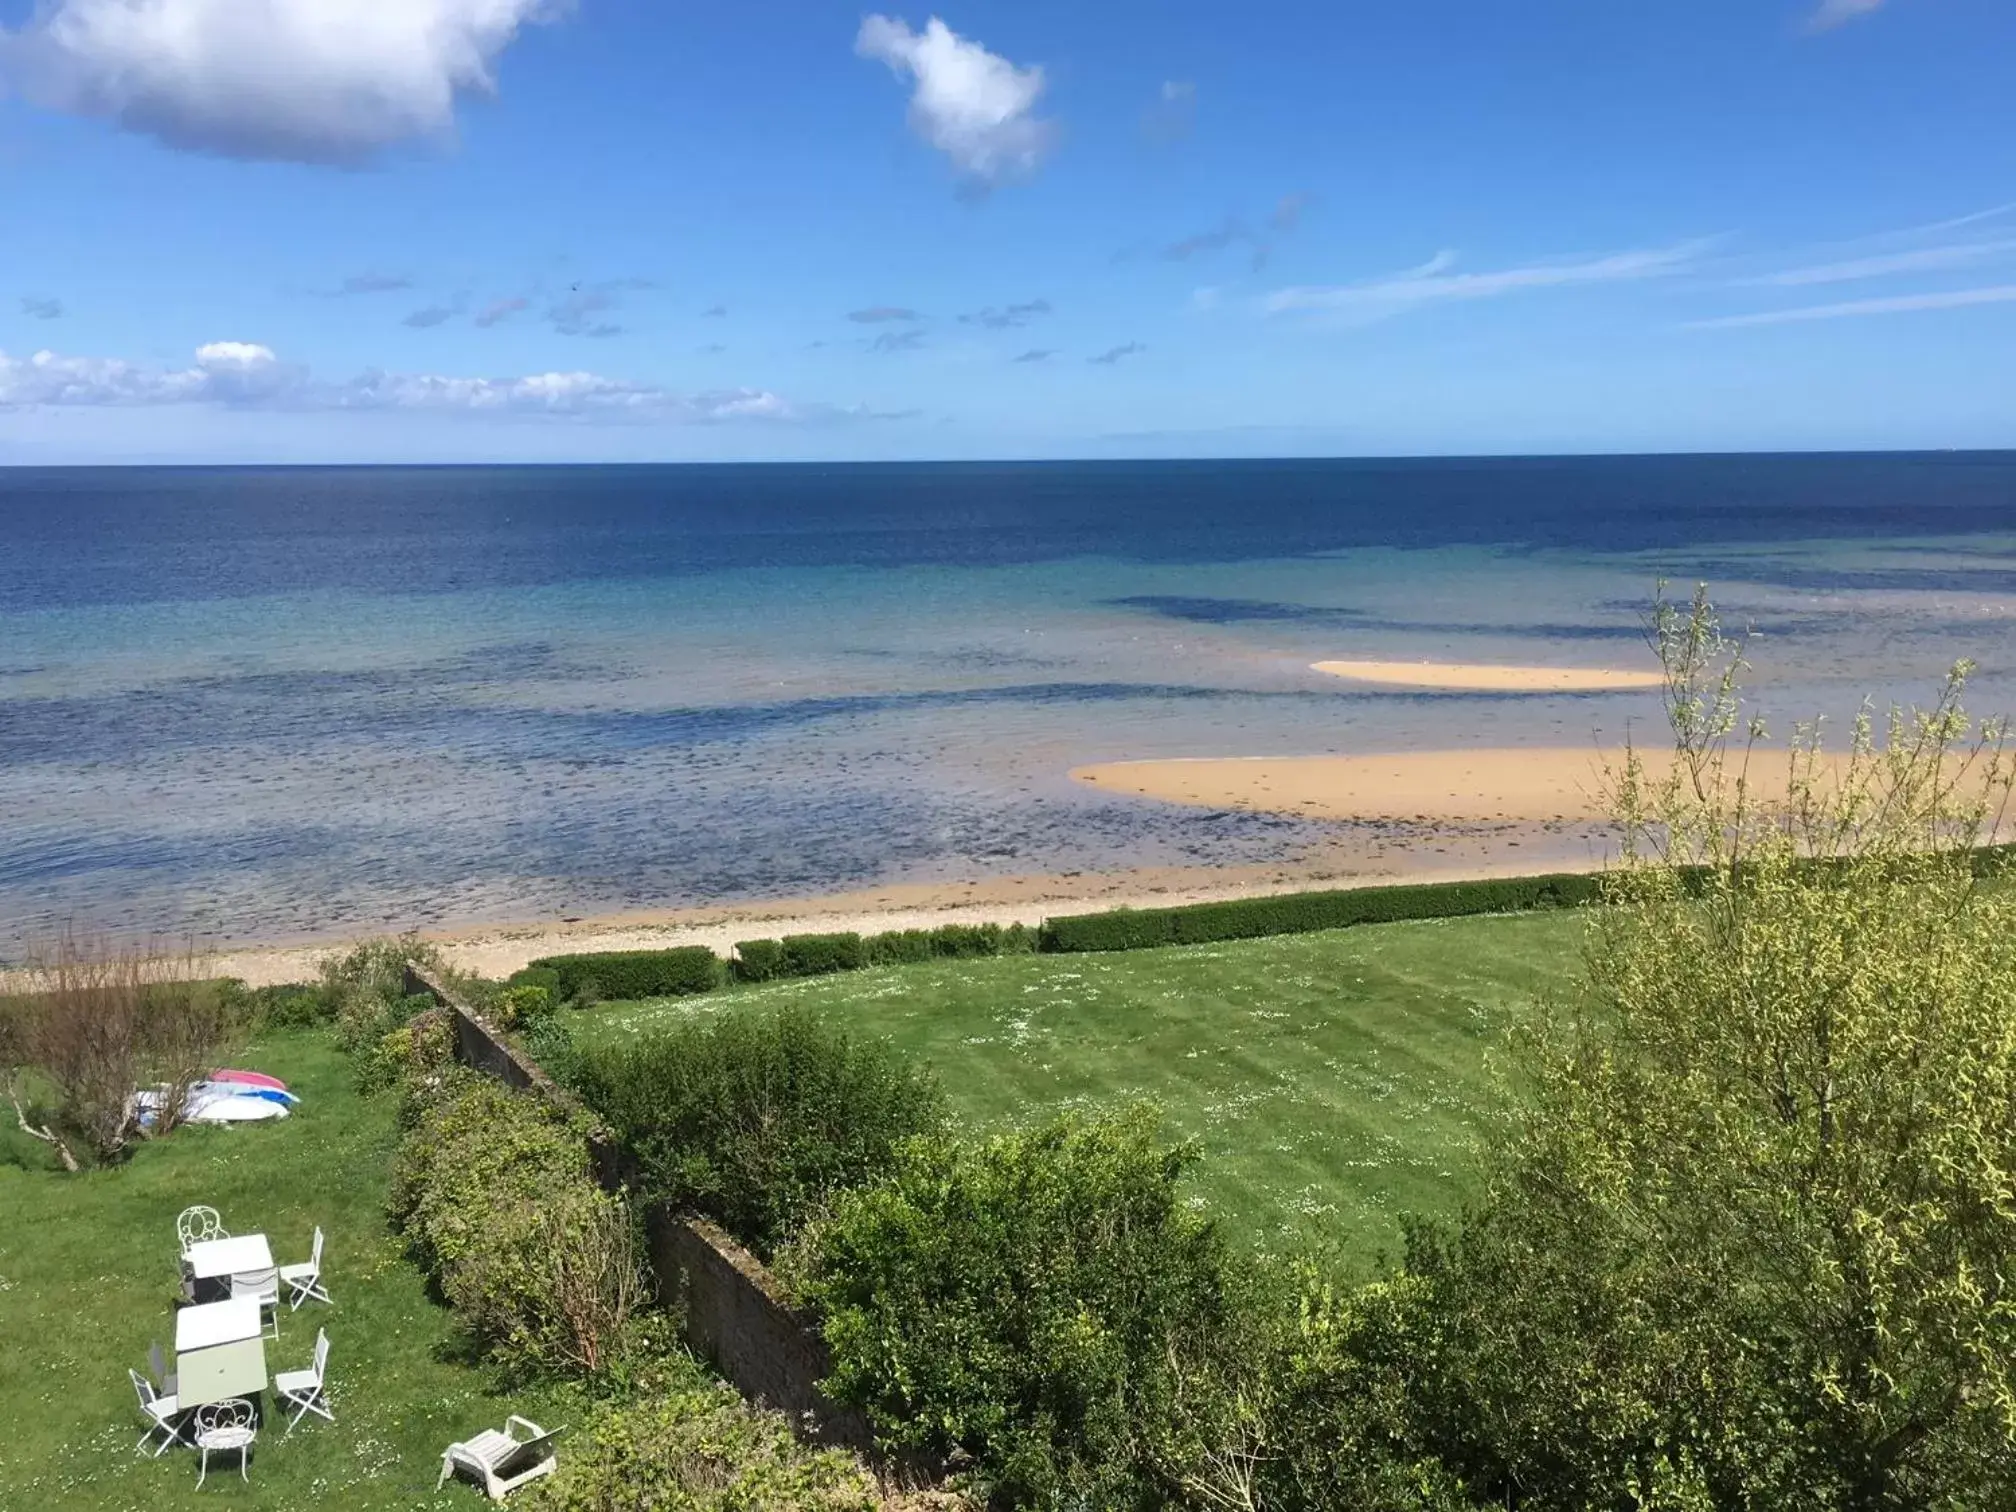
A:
(1335, 1080)
(87, 1278)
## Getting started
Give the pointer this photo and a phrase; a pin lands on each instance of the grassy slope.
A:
(1336, 1080)
(87, 1274)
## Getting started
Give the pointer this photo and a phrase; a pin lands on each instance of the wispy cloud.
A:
(312, 81)
(1235, 231)
(1833, 13)
(580, 311)
(1901, 304)
(714, 312)
(897, 341)
(1891, 264)
(1037, 354)
(249, 376)
(369, 283)
(972, 105)
(882, 315)
(431, 316)
(501, 309)
(1116, 354)
(1172, 115)
(36, 307)
(1438, 282)
(1008, 316)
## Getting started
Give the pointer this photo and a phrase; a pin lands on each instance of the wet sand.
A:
(1473, 678)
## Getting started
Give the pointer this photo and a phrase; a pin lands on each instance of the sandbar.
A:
(1498, 786)
(1473, 678)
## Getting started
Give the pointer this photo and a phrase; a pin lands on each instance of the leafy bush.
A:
(756, 1118)
(521, 1007)
(807, 955)
(1301, 913)
(605, 975)
(1746, 1243)
(758, 960)
(365, 989)
(294, 1005)
(1034, 1301)
(537, 976)
(684, 1443)
(899, 947)
(494, 1194)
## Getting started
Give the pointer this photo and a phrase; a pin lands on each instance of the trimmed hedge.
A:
(758, 961)
(1301, 913)
(679, 972)
(819, 954)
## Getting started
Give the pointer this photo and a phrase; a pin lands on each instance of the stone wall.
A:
(734, 1309)
(736, 1316)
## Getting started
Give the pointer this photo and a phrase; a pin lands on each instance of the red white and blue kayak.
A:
(250, 1079)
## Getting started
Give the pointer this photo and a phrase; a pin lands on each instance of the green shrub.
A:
(296, 1005)
(494, 1194)
(1300, 913)
(758, 960)
(755, 1118)
(621, 974)
(1034, 1301)
(899, 947)
(537, 976)
(521, 1007)
(808, 955)
(684, 1443)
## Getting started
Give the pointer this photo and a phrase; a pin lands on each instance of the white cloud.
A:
(1901, 304)
(1888, 264)
(1833, 12)
(225, 372)
(1436, 282)
(245, 375)
(317, 81)
(972, 105)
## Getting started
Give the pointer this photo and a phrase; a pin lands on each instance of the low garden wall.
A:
(735, 1311)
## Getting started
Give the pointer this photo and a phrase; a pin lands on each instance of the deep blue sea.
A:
(275, 703)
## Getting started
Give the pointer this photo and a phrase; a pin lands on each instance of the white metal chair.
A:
(157, 1367)
(226, 1428)
(265, 1285)
(199, 1225)
(502, 1462)
(161, 1413)
(302, 1389)
(305, 1281)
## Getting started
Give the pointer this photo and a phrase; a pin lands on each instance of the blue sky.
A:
(620, 229)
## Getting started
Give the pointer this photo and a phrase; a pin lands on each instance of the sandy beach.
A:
(1471, 678)
(496, 950)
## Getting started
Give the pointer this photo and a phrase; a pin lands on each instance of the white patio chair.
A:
(265, 1285)
(199, 1225)
(502, 1462)
(157, 1367)
(305, 1281)
(226, 1428)
(161, 1413)
(302, 1389)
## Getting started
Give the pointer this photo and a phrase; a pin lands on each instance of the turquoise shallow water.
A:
(248, 704)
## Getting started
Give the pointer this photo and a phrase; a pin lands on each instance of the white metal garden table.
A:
(220, 1352)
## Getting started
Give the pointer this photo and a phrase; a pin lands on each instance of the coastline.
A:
(496, 950)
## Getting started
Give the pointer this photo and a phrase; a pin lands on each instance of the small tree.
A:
(1754, 1244)
(95, 1022)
